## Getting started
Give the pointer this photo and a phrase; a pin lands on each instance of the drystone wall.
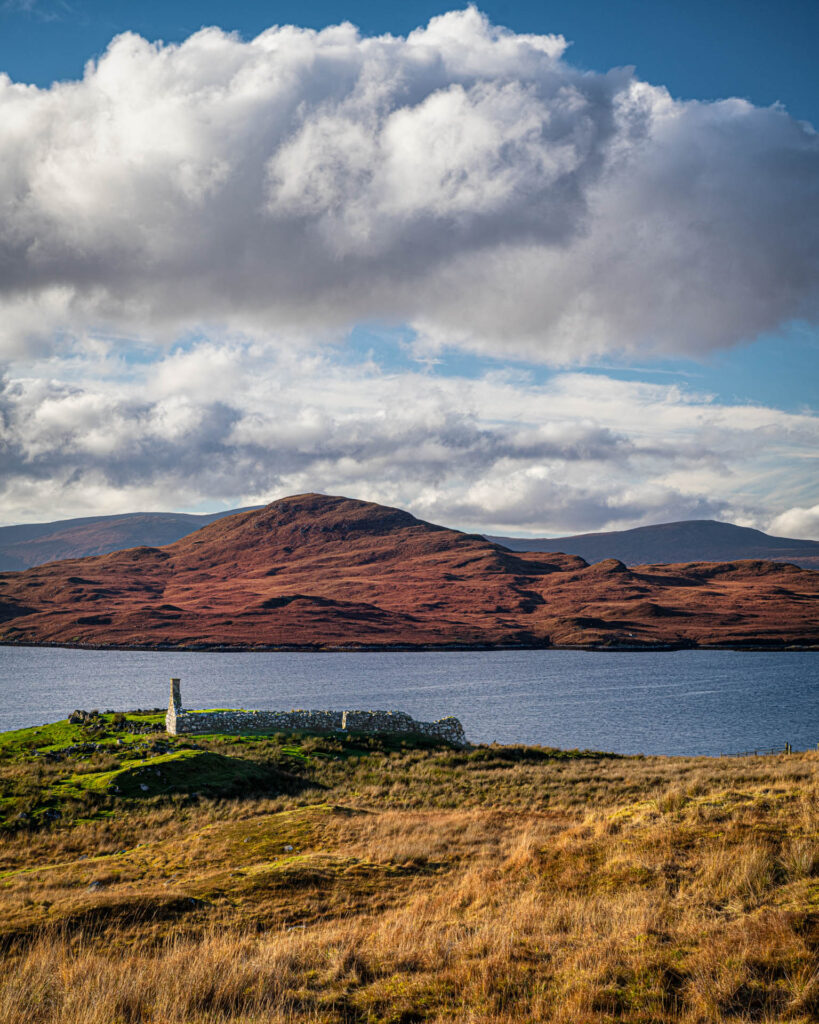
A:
(179, 721)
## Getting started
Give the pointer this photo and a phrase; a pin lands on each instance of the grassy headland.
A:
(147, 878)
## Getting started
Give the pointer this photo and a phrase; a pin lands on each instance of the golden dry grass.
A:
(428, 886)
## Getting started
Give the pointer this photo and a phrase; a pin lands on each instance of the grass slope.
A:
(353, 879)
(182, 771)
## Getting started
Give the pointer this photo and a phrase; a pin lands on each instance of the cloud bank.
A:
(465, 178)
(498, 453)
(797, 522)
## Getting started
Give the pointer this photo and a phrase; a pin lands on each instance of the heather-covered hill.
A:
(27, 545)
(316, 571)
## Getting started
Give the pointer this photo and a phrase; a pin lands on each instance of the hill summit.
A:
(694, 540)
(316, 571)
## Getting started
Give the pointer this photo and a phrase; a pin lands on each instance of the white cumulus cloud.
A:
(797, 522)
(465, 178)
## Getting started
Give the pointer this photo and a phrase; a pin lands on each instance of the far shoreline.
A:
(658, 648)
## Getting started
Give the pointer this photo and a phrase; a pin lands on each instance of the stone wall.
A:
(179, 721)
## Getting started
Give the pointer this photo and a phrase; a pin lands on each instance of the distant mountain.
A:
(318, 572)
(37, 543)
(695, 540)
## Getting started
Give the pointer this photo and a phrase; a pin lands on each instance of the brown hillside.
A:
(318, 571)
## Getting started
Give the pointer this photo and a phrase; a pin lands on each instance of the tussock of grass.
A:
(399, 884)
(182, 771)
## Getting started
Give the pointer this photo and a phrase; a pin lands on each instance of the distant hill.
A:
(695, 540)
(314, 571)
(37, 543)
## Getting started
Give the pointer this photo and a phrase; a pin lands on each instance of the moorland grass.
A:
(364, 880)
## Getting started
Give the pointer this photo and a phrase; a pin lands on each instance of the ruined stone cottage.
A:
(179, 721)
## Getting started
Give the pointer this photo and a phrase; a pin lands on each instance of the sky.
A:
(530, 269)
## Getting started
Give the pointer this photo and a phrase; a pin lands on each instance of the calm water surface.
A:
(680, 702)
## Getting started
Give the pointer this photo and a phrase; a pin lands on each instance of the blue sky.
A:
(501, 284)
(763, 50)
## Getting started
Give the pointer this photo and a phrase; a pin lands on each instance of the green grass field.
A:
(294, 877)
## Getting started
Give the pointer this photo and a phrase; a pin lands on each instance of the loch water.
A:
(671, 702)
